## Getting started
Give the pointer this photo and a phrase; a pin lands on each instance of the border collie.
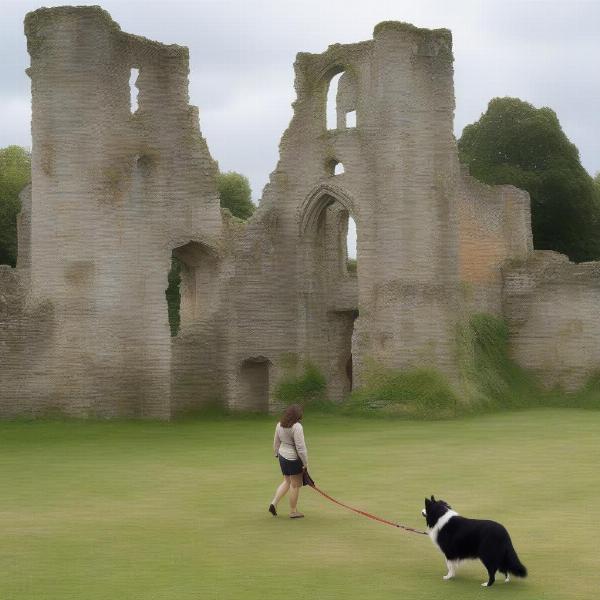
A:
(460, 538)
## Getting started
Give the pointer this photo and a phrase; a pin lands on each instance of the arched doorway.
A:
(196, 330)
(329, 302)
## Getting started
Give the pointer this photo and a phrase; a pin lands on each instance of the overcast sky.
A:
(241, 51)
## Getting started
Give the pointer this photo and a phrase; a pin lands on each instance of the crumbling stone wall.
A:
(494, 226)
(400, 186)
(28, 333)
(552, 307)
(117, 191)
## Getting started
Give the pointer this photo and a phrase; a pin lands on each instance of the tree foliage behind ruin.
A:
(516, 143)
(15, 174)
(236, 194)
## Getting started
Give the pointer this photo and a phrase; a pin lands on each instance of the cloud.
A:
(15, 116)
(236, 131)
(241, 57)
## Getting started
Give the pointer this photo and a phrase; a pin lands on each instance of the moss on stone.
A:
(489, 376)
(289, 360)
(36, 19)
(401, 26)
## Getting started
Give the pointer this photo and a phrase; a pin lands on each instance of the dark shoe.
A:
(272, 510)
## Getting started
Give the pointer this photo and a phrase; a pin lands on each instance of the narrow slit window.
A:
(351, 247)
(338, 169)
(332, 101)
(351, 119)
(173, 294)
(133, 90)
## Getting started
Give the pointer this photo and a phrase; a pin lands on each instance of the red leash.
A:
(362, 512)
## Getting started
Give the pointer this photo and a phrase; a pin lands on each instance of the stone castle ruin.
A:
(117, 190)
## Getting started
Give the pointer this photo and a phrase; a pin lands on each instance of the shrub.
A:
(307, 388)
(589, 395)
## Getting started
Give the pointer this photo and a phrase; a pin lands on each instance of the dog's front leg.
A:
(451, 569)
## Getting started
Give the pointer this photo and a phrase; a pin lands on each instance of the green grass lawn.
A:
(178, 511)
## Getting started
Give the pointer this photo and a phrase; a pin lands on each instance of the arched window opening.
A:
(133, 90)
(342, 100)
(331, 239)
(334, 241)
(332, 101)
(331, 302)
(334, 167)
(191, 291)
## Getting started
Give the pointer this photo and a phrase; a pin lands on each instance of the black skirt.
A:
(290, 467)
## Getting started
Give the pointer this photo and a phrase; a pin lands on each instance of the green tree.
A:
(515, 143)
(236, 195)
(15, 174)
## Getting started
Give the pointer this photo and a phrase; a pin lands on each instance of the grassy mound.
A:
(418, 393)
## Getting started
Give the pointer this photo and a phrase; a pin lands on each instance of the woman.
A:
(290, 448)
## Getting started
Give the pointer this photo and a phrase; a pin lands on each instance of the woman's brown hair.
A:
(292, 414)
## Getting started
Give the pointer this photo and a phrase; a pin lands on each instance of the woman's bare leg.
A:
(296, 484)
(282, 490)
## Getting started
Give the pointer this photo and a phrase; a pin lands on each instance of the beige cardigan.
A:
(289, 443)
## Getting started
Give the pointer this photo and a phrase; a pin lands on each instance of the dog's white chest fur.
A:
(435, 530)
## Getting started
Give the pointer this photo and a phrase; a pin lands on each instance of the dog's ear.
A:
(427, 501)
(432, 498)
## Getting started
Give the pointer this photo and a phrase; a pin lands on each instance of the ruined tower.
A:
(115, 188)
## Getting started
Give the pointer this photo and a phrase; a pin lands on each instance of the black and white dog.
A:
(460, 538)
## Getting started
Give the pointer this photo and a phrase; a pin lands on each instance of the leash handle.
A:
(364, 513)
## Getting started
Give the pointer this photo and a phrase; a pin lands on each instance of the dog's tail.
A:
(513, 564)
